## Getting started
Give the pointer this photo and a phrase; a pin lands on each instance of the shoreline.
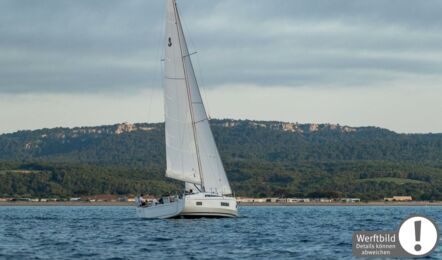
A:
(301, 204)
(340, 204)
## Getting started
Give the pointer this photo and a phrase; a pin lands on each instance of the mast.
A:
(189, 94)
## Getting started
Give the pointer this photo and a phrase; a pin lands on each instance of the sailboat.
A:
(191, 152)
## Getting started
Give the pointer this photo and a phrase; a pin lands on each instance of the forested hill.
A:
(125, 144)
(261, 158)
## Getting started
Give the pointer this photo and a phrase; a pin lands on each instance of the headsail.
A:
(192, 155)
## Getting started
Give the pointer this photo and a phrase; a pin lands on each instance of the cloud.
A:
(90, 46)
(90, 62)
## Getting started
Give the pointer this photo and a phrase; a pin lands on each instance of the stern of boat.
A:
(167, 209)
(209, 205)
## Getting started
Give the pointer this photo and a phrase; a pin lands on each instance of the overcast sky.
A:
(92, 62)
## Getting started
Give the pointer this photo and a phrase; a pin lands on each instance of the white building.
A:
(350, 200)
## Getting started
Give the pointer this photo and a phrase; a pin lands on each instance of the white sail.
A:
(192, 155)
(182, 161)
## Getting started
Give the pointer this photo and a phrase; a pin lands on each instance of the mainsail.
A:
(192, 155)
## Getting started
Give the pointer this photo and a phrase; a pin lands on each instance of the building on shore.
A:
(350, 200)
(22, 199)
(250, 200)
(292, 200)
(122, 199)
(271, 200)
(100, 198)
(297, 200)
(399, 198)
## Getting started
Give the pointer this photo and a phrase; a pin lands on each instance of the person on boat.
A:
(141, 201)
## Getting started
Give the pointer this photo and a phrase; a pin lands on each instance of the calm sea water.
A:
(260, 233)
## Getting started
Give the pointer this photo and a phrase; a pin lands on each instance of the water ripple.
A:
(260, 233)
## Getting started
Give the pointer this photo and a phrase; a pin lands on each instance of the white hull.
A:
(209, 205)
(192, 206)
(166, 210)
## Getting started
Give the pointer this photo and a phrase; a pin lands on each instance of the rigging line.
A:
(157, 78)
(162, 54)
(196, 186)
(200, 74)
(189, 96)
(174, 78)
(202, 120)
(187, 55)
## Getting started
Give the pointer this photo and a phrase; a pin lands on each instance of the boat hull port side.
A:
(209, 205)
(167, 209)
